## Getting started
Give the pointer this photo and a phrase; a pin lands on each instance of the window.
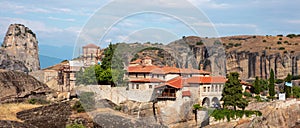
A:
(164, 77)
(157, 76)
(136, 75)
(144, 75)
(152, 76)
(150, 86)
(208, 89)
(137, 86)
(132, 86)
(204, 89)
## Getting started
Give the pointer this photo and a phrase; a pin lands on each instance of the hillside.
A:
(250, 56)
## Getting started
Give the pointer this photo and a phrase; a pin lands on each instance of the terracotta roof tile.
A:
(91, 46)
(147, 80)
(186, 93)
(175, 83)
(206, 80)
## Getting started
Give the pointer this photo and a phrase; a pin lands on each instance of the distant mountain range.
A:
(46, 61)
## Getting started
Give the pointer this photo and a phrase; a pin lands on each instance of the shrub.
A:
(258, 99)
(280, 38)
(286, 42)
(278, 42)
(78, 107)
(291, 35)
(281, 48)
(38, 101)
(236, 45)
(254, 36)
(247, 94)
(87, 100)
(292, 51)
(75, 126)
(285, 52)
(199, 43)
(280, 35)
(221, 114)
(118, 108)
(264, 40)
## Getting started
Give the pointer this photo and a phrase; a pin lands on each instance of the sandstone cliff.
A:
(17, 86)
(19, 50)
(250, 56)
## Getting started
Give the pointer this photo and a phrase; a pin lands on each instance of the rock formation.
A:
(19, 49)
(51, 116)
(18, 86)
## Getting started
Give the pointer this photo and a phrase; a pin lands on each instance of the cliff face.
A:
(15, 86)
(250, 56)
(19, 49)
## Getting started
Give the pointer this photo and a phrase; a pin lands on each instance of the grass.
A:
(9, 111)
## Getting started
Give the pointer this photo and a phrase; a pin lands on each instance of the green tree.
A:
(296, 91)
(232, 92)
(271, 84)
(256, 85)
(288, 89)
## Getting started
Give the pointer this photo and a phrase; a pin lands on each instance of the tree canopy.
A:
(232, 92)
(272, 84)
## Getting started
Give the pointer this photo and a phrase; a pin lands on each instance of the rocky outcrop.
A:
(18, 86)
(19, 49)
(14, 124)
(51, 116)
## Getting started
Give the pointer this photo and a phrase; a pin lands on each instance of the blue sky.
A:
(58, 23)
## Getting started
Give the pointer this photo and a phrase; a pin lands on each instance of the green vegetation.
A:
(217, 42)
(280, 38)
(75, 126)
(271, 84)
(232, 93)
(254, 36)
(281, 48)
(237, 44)
(280, 35)
(288, 89)
(264, 40)
(86, 100)
(231, 114)
(37, 101)
(199, 43)
(257, 86)
(279, 42)
(109, 72)
(78, 107)
(296, 91)
(286, 42)
(247, 94)
(291, 35)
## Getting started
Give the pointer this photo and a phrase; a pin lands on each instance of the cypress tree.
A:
(271, 84)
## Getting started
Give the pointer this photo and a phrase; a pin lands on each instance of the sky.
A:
(76, 22)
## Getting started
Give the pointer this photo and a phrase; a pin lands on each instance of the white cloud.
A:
(61, 19)
(293, 21)
(235, 25)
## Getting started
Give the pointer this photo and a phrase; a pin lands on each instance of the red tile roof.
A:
(186, 93)
(206, 80)
(147, 80)
(175, 83)
(163, 70)
(91, 46)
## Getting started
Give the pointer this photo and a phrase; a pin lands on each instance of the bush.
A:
(87, 100)
(280, 38)
(221, 114)
(278, 42)
(118, 108)
(75, 126)
(254, 36)
(37, 101)
(291, 35)
(280, 35)
(286, 42)
(247, 94)
(264, 40)
(258, 99)
(78, 107)
(281, 48)
(236, 45)
(285, 52)
(199, 43)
